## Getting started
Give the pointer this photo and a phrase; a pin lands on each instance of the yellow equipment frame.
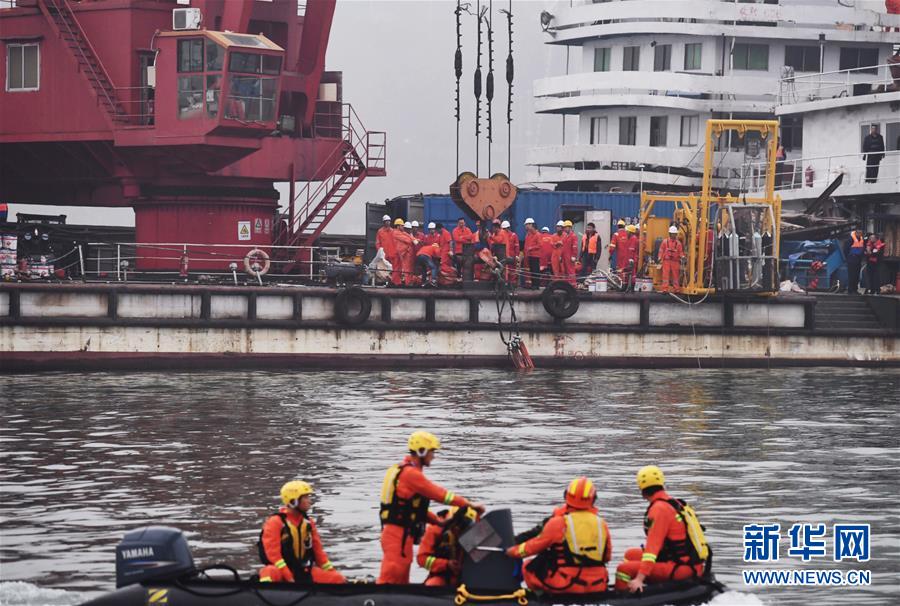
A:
(692, 210)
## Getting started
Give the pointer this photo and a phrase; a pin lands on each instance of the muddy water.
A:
(84, 457)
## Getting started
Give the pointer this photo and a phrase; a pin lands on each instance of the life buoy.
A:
(352, 306)
(560, 300)
(256, 256)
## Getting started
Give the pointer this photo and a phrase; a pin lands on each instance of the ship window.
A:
(215, 55)
(662, 58)
(213, 90)
(190, 97)
(252, 63)
(802, 58)
(792, 132)
(750, 56)
(598, 131)
(857, 58)
(658, 127)
(245, 40)
(251, 99)
(601, 59)
(693, 55)
(689, 128)
(631, 59)
(23, 62)
(271, 64)
(190, 55)
(627, 130)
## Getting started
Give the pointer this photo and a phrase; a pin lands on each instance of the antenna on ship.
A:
(479, 15)
(489, 88)
(509, 87)
(457, 67)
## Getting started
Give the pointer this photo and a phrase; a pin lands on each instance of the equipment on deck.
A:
(742, 238)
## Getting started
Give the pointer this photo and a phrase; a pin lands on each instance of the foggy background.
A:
(397, 62)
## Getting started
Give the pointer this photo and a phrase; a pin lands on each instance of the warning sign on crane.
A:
(243, 230)
(257, 225)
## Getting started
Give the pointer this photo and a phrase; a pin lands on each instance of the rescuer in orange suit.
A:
(405, 249)
(461, 235)
(556, 257)
(666, 554)
(532, 254)
(671, 251)
(289, 544)
(547, 240)
(569, 252)
(620, 235)
(385, 239)
(440, 552)
(405, 495)
(572, 548)
(513, 247)
(629, 249)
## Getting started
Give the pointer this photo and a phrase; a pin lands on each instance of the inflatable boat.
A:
(154, 566)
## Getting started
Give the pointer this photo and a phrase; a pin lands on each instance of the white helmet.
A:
(560, 223)
(546, 229)
(431, 225)
(529, 220)
(415, 223)
(407, 225)
(673, 230)
(504, 225)
(386, 218)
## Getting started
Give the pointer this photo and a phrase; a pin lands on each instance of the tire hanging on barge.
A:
(560, 299)
(352, 306)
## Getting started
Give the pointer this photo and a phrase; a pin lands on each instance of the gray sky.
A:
(397, 60)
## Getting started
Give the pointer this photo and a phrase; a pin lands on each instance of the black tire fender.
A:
(560, 299)
(352, 306)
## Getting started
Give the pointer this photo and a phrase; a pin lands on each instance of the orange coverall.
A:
(546, 251)
(661, 526)
(590, 579)
(533, 257)
(670, 252)
(441, 555)
(397, 552)
(405, 250)
(556, 262)
(461, 235)
(569, 252)
(322, 572)
(385, 239)
(618, 238)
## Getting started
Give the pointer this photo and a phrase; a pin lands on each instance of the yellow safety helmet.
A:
(651, 475)
(293, 491)
(621, 223)
(420, 442)
(567, 223)
(631, 229)
(398, 221)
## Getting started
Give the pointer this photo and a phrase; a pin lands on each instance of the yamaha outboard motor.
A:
(152, 552)
(486, 567)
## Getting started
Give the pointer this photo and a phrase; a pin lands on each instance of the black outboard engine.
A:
(152, 552)
(485, 567)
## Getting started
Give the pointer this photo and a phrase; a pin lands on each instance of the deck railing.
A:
(800, 88)
(796, 174)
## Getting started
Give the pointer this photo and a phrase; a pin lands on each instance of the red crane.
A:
(189, 112)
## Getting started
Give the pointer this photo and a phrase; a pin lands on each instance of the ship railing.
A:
(120, 261)
(867, 80)
(818, 172)
(137, 105)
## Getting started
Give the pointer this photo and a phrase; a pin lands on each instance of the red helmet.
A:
(581, 493)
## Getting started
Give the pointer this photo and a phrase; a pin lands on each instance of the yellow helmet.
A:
(420, 442)
(651, 475)
(293, 491)
(631, 229)
(567, 223)
(469, 514)
(398, 221)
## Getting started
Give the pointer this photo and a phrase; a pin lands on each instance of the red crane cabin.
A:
(105, 103)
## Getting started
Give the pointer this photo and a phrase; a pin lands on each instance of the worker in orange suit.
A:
(556, 263)
(629, 249)
(590, 250)
(405, 495)
(513, 248)
(289, 544)
(385, 239)
(569, 252)
(532, 254)
(572, 548)
(440, 552)
(671, 252)
(620, 235)
(667, 554)
(547, 240)
(461, 236)
(405, 250)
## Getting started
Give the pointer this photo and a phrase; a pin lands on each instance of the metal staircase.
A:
(361, 154)
(63, 21)
(846, 312)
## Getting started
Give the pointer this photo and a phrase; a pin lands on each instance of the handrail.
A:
(87, 41)
(819, 85)
(824, 170)
(803, 75)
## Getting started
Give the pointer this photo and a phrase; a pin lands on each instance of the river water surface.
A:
(85, 457)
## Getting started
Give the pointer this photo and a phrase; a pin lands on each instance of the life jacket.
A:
(296, 548)
(857, 242)
(447, 548)
(585, 540)
(693, 549)
(589, 243)
(410, 513)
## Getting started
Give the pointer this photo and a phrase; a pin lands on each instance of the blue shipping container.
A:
(547, 207)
